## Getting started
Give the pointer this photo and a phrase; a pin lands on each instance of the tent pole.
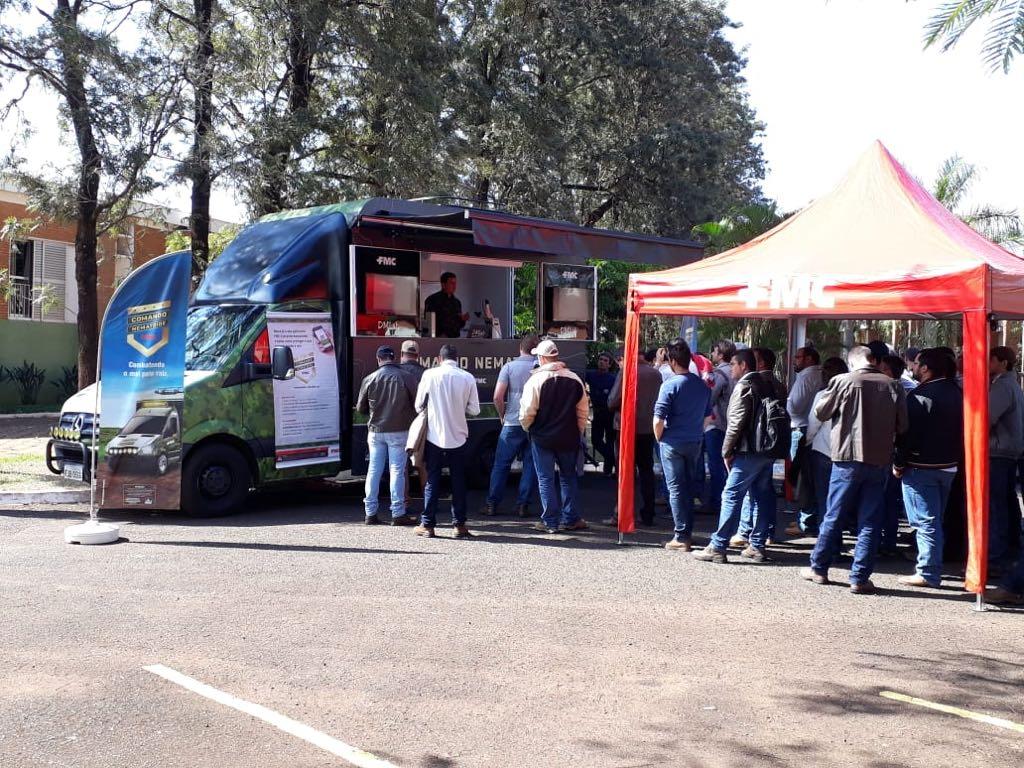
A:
(976, 458)
(627, 418)
(979, 603)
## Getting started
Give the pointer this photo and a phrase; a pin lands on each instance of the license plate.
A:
(72, 471)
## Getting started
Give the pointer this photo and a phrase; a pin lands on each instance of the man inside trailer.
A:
(447, 309)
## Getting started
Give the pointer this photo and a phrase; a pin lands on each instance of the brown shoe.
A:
(794, 529)
(426, 531)
(917, 580)
(812, 575)
(711, 555)
(863, 588)
(579, 525)
(462, 532)
(540, 526)
(523, 510)
(754, 555)
(679, 545)
(1002, 596)
(489, 510)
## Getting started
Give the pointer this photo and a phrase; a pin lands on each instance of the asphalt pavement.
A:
(513, 649)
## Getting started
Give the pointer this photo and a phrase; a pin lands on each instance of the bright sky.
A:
(827, 77)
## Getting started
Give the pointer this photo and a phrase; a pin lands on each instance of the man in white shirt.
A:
(448, 394)
(807, 365)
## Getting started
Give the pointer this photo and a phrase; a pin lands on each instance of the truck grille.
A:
(73, 427)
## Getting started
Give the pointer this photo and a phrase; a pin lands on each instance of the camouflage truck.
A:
(357, 275)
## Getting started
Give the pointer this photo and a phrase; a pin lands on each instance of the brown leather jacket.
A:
(867, 410)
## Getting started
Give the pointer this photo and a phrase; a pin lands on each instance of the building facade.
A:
(44, 333)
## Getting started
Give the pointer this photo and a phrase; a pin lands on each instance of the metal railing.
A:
(20, 303)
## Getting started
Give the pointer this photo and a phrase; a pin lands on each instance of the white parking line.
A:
(964, 713)
(352, 755)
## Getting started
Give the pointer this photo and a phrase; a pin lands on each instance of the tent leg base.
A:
(979, 604)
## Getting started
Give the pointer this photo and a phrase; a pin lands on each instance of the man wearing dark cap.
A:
(447, 309)
(387, 396)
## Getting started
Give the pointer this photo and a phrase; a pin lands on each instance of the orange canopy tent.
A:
(878, 245)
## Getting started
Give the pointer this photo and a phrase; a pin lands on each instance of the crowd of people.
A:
(868, 438)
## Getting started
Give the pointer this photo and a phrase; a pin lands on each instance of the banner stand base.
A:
(979, 603)
(92, 532)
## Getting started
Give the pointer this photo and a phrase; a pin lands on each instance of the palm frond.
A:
(952, 19)
(1000, 226)
(1005, 36)
(955, 177)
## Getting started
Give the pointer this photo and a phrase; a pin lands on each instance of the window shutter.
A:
(49, 268)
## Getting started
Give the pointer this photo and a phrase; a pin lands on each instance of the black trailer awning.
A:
(507, 232)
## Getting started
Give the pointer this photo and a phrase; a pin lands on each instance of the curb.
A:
(54, 415)
(44, 497)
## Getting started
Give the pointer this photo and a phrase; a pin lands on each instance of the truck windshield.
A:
(144, 425)
(213, 332)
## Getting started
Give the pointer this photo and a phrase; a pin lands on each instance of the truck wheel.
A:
(478, 469)
(161, 464)
(214, 481)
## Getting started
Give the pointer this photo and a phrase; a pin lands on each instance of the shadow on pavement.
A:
(286, 547)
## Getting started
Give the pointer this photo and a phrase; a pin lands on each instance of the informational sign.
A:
(305, 405)
(142, 369)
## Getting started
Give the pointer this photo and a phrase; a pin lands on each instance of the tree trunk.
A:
(199, 159)
(273, 194)
(73, 75)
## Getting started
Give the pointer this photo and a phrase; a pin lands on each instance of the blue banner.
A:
(142, 379)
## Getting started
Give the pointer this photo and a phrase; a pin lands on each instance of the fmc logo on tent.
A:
(798, 292)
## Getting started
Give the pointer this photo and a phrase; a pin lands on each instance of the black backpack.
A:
(770, 429)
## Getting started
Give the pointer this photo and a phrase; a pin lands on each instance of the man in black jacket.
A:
(749, 471)
(387, 395)
(926, 458)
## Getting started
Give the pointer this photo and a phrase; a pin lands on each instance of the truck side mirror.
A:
(282, 363)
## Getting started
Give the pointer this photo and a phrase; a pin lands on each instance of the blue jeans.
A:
(749, 474)
(386, 449)
(925, 493)
(820, 473)
(891, 519)
(513, 441)
(767, 503)
(696, 481)
(436, 458)
(679, 466)
(807, 516)
(856, 490)
(556, 508)
(1002, 479)
(713, 441)
(1014, 580)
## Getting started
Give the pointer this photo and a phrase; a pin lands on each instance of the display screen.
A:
(572, 305)
(391, 294)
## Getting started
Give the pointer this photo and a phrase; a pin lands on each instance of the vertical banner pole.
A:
(976, 458)
(627, 418)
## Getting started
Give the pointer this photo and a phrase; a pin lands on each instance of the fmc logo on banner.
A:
(797, 292)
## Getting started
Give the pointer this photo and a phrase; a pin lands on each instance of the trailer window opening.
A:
(213, 332)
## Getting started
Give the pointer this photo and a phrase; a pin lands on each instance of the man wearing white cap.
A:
(554, 410)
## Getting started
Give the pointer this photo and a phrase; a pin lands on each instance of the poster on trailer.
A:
(142, 370)
(306, 406)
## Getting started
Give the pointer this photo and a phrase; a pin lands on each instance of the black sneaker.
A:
(372, 520)
(405, 520)
(754, 555)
